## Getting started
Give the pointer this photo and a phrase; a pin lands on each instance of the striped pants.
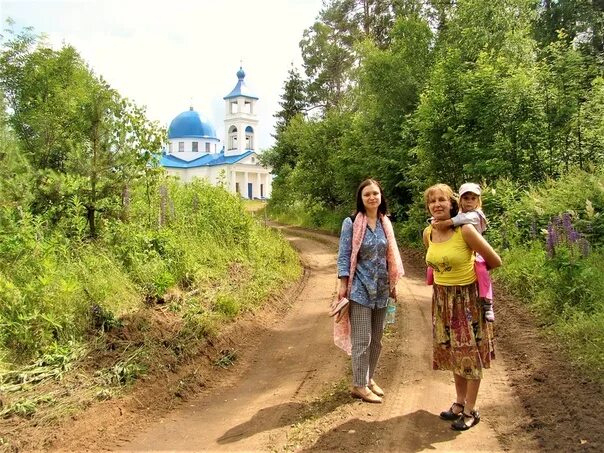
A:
(367, 328)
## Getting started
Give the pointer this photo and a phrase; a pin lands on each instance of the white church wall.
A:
(203, 144)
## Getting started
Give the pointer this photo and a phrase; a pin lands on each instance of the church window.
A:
(232, 138)
(181, 147)
(195, 147)
(207, 147)
(249, 137)
(233, 106)
(170, 148)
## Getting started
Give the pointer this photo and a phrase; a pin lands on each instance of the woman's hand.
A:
(343, 288)
(393, 293)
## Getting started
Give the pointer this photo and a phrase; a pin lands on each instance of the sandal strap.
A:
(457, 404)
(473, 415)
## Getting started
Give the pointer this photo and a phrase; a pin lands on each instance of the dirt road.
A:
(290, 390)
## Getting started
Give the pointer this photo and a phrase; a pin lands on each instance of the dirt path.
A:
(290, 391)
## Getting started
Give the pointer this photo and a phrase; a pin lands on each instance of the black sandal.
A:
(450, 414)
(461, 425)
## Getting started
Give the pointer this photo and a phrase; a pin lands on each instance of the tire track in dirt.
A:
(293, 361)
(296, 364)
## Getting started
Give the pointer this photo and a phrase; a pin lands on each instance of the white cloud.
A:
(163, 54)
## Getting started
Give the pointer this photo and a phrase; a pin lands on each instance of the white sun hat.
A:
(469, 187)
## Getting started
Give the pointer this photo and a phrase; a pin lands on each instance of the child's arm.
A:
(466, 218)
(442, 225)
(475, 218)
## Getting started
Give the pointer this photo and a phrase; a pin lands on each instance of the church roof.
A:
(241, 89)
(207, 160)
(191, 124)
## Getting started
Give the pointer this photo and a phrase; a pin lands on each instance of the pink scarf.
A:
(341, 331)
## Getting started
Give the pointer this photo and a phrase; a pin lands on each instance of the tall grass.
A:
(192, 239)
(309, 216)
(551, 237)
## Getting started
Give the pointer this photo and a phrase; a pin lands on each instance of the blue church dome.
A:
(191, 124)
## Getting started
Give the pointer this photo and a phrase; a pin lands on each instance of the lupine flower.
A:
(567, 222)
(560, 230)
(574, 236)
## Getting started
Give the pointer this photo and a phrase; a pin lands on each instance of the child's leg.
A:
(429, 276)
(485, 287)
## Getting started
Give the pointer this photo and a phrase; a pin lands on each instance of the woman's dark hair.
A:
(382, 208)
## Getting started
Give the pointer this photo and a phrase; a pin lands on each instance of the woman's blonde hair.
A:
(447, 191)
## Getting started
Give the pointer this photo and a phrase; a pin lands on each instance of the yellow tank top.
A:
(452, 260)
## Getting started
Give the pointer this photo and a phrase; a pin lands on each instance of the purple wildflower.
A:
(573, 236)
(567, 222)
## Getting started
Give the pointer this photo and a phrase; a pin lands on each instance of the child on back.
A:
(470, 205)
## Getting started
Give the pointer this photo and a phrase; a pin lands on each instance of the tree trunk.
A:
(90, 215)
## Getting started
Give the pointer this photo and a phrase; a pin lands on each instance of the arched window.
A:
(232, 137)
(249, 137)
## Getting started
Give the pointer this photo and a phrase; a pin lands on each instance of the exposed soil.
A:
(288, 387)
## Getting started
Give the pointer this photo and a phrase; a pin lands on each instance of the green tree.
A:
(389, 86)
(293, 102)
(15, 173)
(582, 22)
(593, 113)
(566, 77)
(84, 142)
(329, 45)
(480, 116)
(116, 152)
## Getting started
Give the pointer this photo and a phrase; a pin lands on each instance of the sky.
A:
(170, 54)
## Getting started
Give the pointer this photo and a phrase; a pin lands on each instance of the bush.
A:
(54, 287)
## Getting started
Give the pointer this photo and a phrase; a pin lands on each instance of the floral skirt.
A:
(462, 339)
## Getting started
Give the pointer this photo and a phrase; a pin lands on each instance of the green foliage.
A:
(124, 372)
(206, 241)
(311, 216)
(553, 237)
(227, 358)
(84, 142)
(228, 305)
(582, 21)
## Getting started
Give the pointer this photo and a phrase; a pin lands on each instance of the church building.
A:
(194, 151)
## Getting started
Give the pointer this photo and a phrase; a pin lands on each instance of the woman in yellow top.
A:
(462, 339)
